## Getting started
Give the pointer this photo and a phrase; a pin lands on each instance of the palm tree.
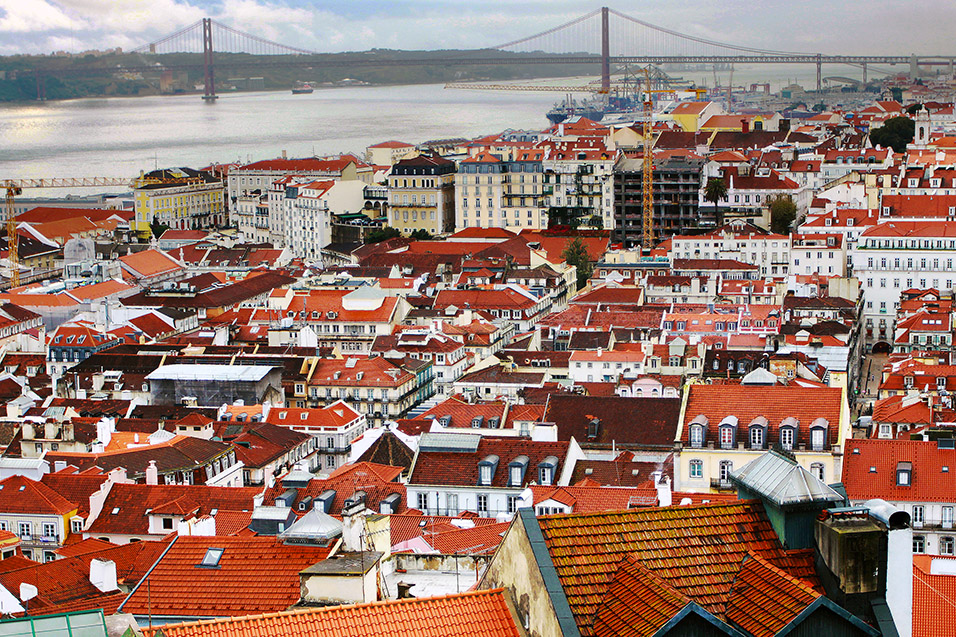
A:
(715, 190)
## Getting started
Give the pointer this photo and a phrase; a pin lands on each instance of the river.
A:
(121, 136)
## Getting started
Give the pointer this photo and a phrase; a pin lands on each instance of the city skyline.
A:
(45, 26)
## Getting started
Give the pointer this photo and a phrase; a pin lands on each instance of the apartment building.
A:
(422, 195)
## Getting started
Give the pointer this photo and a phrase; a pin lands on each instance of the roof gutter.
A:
(148, 573)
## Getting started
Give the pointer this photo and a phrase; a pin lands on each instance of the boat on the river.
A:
(301, 88)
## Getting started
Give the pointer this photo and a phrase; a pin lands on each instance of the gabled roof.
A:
(473, 614)
(765, 599)
(177, 586)
(19, 494)
(696, 550)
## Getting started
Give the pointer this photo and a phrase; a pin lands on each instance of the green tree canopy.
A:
(895, 133)
(158, 228)
(782, 214)
(422, 235)
(576, 254)
(382, 234)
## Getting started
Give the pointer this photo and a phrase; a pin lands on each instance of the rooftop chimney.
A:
(103, 575)
(152, 473)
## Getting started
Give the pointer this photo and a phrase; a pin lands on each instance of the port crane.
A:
(14, 188)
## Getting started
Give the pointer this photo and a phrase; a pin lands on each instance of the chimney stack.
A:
(152, 473)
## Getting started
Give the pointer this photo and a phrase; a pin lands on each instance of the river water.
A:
(121, 136)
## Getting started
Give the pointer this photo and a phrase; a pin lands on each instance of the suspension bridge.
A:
(603, 37)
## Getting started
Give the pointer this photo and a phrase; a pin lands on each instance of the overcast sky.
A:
(826, 26)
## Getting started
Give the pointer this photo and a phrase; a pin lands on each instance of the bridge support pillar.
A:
(605, 52)
(914, 67)
(864, 74)
(209, 88)
(41, 87)
(819, 74)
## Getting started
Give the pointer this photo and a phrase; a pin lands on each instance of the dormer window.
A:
(818, 434)
(594, 427)
(758, 433)
(788, 432)
(698, 429)
(941, 382)
(728, 432)
(486, 470)
(904, 474)
(546, 470)
(908, 382)
(516, 470)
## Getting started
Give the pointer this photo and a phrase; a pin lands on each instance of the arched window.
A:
(817, 470)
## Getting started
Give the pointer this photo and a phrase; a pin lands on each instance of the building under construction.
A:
(676, 198)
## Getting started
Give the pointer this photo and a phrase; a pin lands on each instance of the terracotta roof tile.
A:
(237, 587)
(934, 596)
(696, 550)
(637, 603)
(765, 599)
(473, 614)
(869, 471)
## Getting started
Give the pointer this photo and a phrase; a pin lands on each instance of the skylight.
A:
(212, 557)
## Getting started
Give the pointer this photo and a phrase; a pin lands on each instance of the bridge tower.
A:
(209, 89)
(605, 52)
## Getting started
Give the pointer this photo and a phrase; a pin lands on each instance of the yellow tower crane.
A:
(14, 187)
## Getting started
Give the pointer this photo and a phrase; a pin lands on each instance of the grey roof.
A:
(783, 481)
(249, 373)
(345, 564)
(271, 513)
(463, 443)
(314, 525)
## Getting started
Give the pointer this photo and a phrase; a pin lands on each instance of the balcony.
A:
(721, 484)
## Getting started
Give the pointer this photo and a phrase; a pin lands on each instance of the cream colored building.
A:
(388, 153)
(422, 195)
(723, 427)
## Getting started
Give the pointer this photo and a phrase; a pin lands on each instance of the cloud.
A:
(852, 26)
(30, 17)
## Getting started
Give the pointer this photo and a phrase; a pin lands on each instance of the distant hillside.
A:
(140, 74)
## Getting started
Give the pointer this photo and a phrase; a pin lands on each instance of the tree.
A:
(896, 133)
(382, 234)
(913, 109)
(158, 228)
(897, 93)
(715, 190)
(422, 235)
(819, 107)
(576, 254)
(782, 214)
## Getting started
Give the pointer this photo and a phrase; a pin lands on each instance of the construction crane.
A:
(647, 181)
(14, 187)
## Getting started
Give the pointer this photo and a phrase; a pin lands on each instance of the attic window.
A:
(23, 488)
(115, 510)
(872, 469)
(211, 558)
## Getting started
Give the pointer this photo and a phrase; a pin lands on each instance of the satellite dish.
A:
(27, 591)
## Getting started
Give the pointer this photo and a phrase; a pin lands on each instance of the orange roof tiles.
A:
(869, 471)
(637, 603)
(696, 550)
(473, 614)
(765, 599)
(149, 263)
(934, 597)
(19, 494)
(176, 587)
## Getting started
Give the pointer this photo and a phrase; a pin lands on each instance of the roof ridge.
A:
(326, 609)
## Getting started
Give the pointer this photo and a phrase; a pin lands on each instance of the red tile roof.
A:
(764, 599)
(461, 468)
(637, 603)
(473, 614)
(19, 494)
(176, 587)
(869, 471)
(131, 501)
(149, 263)
(697, 550)
(775, 403)
(934, 597)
